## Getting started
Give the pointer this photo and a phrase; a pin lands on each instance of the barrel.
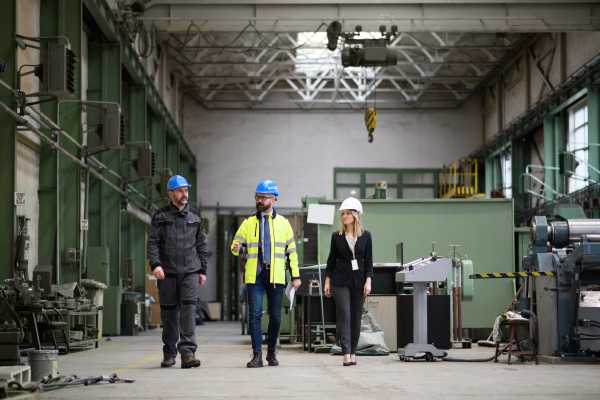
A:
(42, 363)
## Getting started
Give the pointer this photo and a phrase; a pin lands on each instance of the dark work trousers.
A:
(178, 302)
(255, 308)
(349, 303)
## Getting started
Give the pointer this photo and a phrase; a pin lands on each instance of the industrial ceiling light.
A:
(333, 33)
(252, 51)
(3, 65)
(366, 52)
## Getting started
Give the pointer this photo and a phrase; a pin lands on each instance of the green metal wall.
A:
(8, 139)
(483, 229)
(116, 75)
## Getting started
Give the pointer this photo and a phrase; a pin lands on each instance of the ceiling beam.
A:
(409, 16)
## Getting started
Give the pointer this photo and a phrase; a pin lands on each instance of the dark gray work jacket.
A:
(177, 241)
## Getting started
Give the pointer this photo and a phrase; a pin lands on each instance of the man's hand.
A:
(201, 280)
(159, 273)
(327, 288)
(236, 246)
(296, 283)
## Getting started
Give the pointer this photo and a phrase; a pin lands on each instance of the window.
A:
(577, 143)
(506, 166)
(401, 183)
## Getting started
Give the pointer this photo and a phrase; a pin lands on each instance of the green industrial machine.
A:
(482, 227)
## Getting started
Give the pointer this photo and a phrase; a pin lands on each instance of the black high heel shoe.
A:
(347, 364)
(352, 363)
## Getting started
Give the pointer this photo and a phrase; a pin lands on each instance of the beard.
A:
(183, 200)
(261, 207)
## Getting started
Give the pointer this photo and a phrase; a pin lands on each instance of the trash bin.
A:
(130, 317)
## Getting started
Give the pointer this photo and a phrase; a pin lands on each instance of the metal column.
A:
(550, 154)
(561, 131)
(173, 154)
(134, 101)
(60, 179)
(8, 140)
(594, 130)
(158, 138)
(521, 156)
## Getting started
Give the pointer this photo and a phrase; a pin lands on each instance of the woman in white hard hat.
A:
(348, 276)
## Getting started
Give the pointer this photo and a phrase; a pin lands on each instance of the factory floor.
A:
(224, 353)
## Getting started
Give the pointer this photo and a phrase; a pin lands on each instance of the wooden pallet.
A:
(18, 373)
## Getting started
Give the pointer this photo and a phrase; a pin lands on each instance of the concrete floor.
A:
(223, 374)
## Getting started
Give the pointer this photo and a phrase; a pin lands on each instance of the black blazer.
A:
(339, 266)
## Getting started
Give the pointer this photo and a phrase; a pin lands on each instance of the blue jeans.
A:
(255, 306)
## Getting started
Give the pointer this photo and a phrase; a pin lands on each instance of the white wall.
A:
(28, 161)
(579, 48)
(298, 150)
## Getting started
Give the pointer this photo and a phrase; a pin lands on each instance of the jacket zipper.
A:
(273, 241)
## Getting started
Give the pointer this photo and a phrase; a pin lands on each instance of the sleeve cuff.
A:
(295, 278)
(154, 265)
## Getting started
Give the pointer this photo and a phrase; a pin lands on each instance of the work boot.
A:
(256, 361)
(190, 362)
(271, 358)
(167, 362)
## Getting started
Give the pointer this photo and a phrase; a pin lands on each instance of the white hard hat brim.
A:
(351, 204)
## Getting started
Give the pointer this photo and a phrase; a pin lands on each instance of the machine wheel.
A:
(429, 357)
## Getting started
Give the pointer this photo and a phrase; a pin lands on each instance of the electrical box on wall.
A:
(57, 71)
(112, 129)
(162, 186)
(145, 165)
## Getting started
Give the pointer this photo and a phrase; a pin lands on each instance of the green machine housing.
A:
(482, 227)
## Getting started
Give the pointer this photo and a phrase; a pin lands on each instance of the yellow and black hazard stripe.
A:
(370, 119)
(510, 275)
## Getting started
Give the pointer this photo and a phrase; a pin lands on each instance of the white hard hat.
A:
(351, 204)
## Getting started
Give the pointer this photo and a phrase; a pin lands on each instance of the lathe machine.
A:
(563, 288)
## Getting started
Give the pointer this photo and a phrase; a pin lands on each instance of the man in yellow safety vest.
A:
(268, 239)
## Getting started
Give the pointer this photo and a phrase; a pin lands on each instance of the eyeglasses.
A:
(263, 198)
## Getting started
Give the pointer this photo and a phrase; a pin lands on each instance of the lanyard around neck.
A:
(352, 246)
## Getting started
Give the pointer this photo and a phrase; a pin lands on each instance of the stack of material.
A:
(152, 290)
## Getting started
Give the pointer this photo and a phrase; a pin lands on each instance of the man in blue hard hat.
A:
(268, 239)
(178, 254)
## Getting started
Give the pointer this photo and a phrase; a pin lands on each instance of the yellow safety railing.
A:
(459, 179)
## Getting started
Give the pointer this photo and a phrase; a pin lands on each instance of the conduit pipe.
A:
(65, 134)
(83, 165)
(138, 214)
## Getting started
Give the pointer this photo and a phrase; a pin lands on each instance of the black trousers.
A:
(178, 313)
(348, 306)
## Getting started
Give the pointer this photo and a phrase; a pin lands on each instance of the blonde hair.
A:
(358, 229)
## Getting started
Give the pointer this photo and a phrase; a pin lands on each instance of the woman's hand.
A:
(326, 287)
(367, 288)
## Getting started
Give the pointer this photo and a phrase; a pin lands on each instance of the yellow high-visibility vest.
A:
(282, 244)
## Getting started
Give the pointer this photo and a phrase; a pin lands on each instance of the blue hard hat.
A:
(268, 187)
(177, 181)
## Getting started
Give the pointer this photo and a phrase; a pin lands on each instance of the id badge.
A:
(354, 265)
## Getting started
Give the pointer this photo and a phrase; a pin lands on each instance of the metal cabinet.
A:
(383, 309)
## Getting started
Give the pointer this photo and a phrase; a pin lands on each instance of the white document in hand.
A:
(290, 292)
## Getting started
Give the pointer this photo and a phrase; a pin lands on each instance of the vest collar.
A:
(258, 214)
